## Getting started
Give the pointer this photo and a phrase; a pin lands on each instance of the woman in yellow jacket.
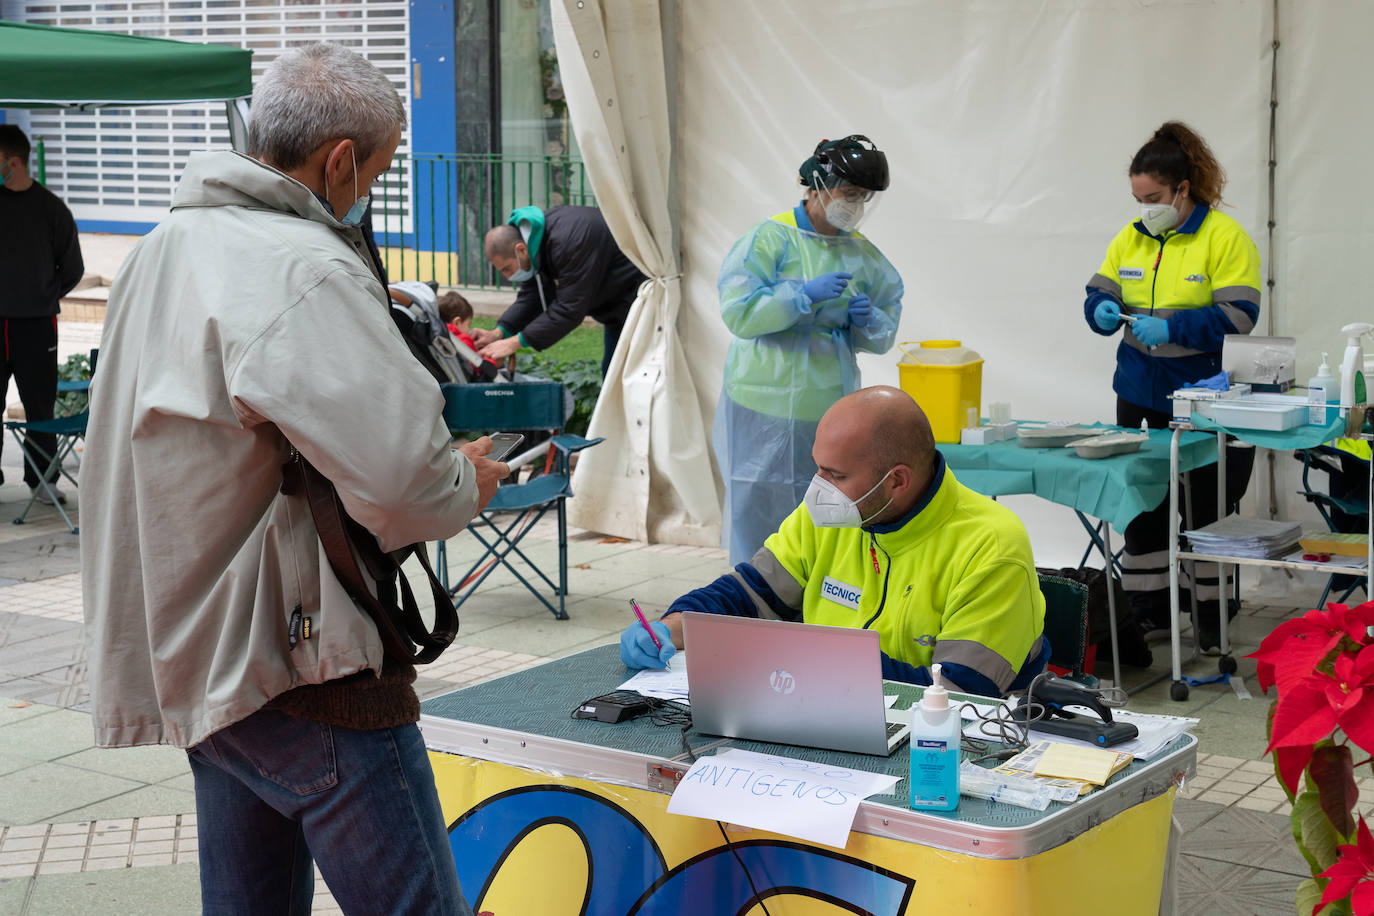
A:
(1175, 282)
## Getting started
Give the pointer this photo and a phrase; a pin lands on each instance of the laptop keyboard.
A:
(893, 728)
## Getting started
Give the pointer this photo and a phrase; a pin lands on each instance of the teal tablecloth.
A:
(1116, 489)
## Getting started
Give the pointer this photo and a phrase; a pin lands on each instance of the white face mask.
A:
(843, 214)
(830, 508)
(1159, 218)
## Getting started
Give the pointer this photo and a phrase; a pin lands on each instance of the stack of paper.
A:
(1071, 769)
(1235, 536)
(665, 683)
(1085, 764)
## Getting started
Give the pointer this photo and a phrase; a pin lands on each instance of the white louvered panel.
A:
(123, 164)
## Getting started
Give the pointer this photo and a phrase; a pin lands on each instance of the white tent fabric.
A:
(653, 479)
(1009, 126)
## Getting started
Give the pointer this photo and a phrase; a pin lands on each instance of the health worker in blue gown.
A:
(801, 292)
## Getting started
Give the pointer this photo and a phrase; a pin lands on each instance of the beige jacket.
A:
(248, 319)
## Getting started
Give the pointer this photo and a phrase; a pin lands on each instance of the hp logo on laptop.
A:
(782, 681)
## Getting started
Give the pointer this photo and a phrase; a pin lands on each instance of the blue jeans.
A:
(273, 792)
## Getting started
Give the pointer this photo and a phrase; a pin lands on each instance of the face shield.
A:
(850, 176)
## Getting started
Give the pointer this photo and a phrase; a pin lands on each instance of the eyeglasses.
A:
(851, 193)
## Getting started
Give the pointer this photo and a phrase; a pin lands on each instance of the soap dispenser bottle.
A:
(1352, 366)
(935, 735)
(1321, 390)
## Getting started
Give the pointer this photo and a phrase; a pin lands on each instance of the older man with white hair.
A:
(236, 331)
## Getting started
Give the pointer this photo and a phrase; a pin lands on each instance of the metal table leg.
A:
(1178, 690)
(1111, 605)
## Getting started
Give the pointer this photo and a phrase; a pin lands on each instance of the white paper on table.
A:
(811, 801)
(1155, 731)
(889, 700)
(665, 683)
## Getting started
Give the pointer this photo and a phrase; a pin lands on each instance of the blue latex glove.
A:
(1151, 331)
(826, 286)
(637, 650)
(1107, 315)
(860, 310)
(1219, 382)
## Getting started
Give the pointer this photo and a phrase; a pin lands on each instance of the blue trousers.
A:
(274, 792)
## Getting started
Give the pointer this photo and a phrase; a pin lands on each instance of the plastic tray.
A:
(1251, 415)
(1055, 436)
(1108, 445)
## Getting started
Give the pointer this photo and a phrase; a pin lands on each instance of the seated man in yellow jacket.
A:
(886, 539)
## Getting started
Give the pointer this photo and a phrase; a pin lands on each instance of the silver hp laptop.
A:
(790, 683)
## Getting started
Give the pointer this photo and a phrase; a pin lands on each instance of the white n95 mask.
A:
(1159, 218)
(843, 214)
(830, 508)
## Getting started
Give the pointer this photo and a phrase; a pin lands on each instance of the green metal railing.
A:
(430, 211)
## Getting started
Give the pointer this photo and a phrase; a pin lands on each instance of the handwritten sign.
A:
(810, 801)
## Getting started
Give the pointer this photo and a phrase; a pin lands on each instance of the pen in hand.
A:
(658, 644)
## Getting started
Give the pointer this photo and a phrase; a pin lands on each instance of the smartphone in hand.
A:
(502, 444)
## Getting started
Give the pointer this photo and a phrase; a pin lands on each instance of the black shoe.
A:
(1130, 635)
(1209, 637)
(1209, 625)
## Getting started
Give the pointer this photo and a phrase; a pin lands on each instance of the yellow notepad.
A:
(1068, 761)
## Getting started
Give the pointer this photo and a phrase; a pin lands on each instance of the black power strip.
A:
(613, 707)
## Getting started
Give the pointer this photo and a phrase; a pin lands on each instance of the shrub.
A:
(581, 377)
(77, 368)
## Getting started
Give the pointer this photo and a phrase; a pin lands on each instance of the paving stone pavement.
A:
(69, 810)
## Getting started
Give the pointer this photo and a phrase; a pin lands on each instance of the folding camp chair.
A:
(1344, 507)
(515, 406)
(1066, 627)
(67, 432)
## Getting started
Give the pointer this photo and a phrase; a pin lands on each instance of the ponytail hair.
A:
(1176, 153)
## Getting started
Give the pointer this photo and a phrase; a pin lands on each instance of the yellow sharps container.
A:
(946, 379)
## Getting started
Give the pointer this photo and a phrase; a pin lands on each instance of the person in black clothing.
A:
(40, 262)
(568, 266)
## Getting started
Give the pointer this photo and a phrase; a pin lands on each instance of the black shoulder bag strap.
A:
(402, 630)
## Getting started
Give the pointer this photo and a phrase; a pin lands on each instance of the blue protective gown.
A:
(789, 361)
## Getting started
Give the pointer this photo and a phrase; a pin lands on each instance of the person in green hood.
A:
(568, 268)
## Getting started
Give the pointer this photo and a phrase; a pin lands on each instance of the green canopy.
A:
(47, 67)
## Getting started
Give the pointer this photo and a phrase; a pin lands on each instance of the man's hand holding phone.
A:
(489, 473)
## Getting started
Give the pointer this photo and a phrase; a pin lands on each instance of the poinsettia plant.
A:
(1322, 718)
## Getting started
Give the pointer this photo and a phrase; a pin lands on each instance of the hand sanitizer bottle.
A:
(1321, 390)
(935, 735)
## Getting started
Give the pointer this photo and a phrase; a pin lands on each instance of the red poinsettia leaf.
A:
(1298, 656)
(1364, 843)
(1333, 774)
(1364, 667)
(1339, 888)
(1363, 618)
(1348, 702)
(1304, 716)
(1357, 722)
(1290, 762)
(1357, 622)
(1362, 898)
(1346, 868)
